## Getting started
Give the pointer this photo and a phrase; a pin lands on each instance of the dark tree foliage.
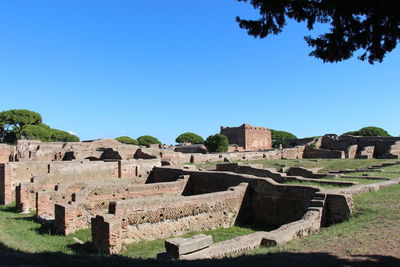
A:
(127, 140)
(189, 138)
(37, 132)
(369, 131)
(17, 119)
(217, 143)
(279, 137)
(146, 140)
(63, 136)
(45, 133)
(371, 26)
(20, 123)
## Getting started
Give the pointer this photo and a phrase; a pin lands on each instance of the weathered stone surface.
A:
(311, 222)
(229, 247)
(351, 151)
(200, 148)
(307, 173)
(310, 152)
(179, 246)
(366, 153)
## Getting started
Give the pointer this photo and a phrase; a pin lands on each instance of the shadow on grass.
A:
(10, 208)
(10, 256)
(86, 248)
(44, 227)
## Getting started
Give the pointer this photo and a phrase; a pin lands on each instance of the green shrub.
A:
(146, 140)
(369, 131)
(217, 143)
(279, 137)
(189, 138)
(127, 140)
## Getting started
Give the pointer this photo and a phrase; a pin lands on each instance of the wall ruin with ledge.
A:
(70, 172)
(155, 218)
(76, 215)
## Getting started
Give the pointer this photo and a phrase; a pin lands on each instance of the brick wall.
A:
(95, 201)
(138, 220)
(249, 137)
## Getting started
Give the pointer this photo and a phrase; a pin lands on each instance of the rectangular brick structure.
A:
(96, 200)
(249, 137)
(154, 218)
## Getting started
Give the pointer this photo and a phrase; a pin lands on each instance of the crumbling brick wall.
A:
(65, 193)
(14, 173)
(155, 218)
(272, 203)
(6, 153)
(96, 200)
(75, 172)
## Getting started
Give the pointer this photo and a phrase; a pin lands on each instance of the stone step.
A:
(179, 246)
(317, 203)
(319, 195)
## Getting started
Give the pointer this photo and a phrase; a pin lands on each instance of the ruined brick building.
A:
(248, 137)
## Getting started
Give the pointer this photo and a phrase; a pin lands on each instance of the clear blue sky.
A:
(110, 68)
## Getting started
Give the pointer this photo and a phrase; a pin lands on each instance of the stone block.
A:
(180, 246)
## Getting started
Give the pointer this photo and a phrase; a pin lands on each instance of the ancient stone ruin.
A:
(127, 193)
(248, 138)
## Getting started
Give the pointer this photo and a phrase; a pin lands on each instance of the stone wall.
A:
(366, 152)
(382, 145)
(351, 151)
(293, 153)
(304, 172)
(149, 219)
(288, 143)
(76, 215)
(315, 153)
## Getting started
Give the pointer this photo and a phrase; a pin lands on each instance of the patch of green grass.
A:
(22, 232)
(149, 250)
